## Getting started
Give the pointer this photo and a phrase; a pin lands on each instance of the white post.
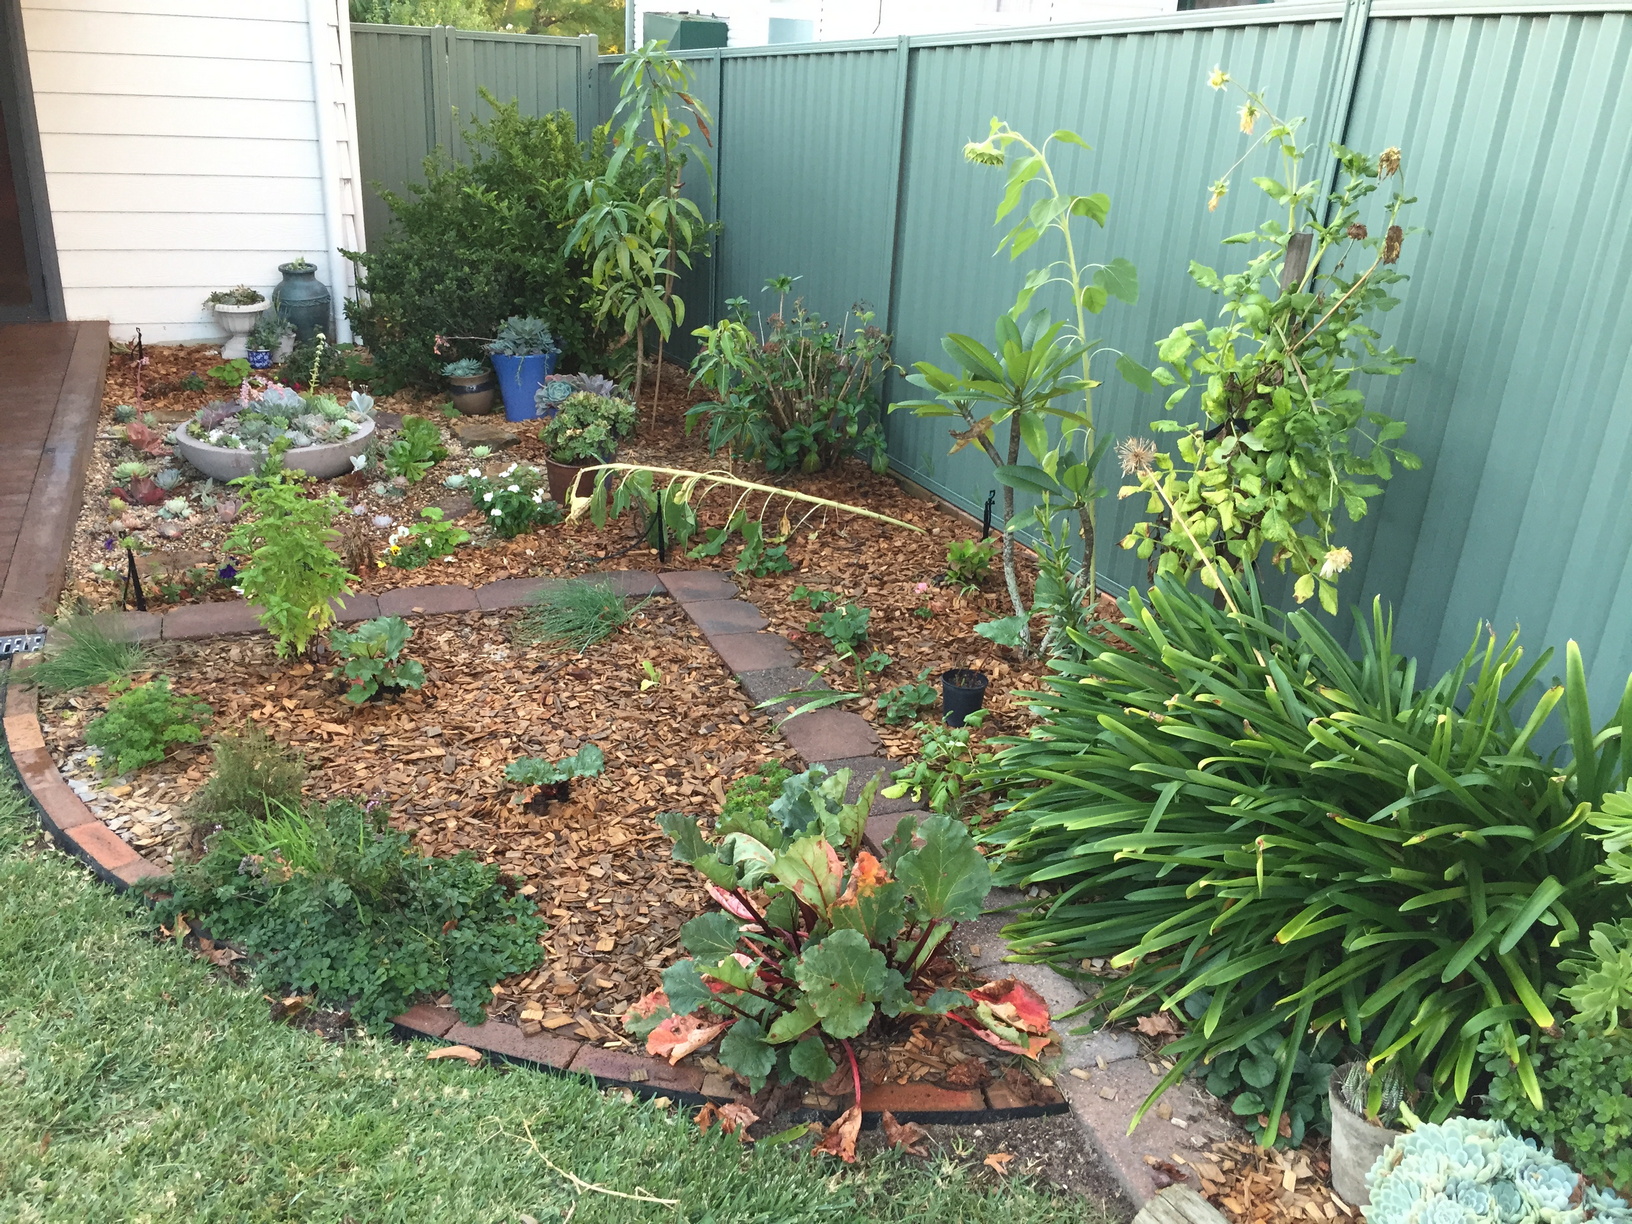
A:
(328, 20)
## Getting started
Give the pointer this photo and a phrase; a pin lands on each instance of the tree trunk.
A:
(1010, 578)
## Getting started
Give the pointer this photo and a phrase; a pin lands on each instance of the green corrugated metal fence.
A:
(844, 164)
(418, 85)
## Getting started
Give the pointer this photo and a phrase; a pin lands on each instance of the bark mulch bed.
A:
(1254, 1185)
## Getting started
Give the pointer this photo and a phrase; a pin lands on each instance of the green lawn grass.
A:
(134, 1085)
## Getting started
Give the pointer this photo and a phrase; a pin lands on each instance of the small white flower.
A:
(487, 497)
(496, 512)
(475, 472)
(515, 488)
(1337, 560)
(538, 497)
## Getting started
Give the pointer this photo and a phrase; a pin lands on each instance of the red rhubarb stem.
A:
(855, 1070)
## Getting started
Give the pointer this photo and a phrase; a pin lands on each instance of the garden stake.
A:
(986, 515)
(662, 530)
(132, 578)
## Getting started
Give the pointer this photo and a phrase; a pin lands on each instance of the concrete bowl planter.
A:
(321, 462)
(1356, 1144)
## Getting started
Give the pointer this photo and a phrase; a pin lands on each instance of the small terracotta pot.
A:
(473, 393)
(566, 480)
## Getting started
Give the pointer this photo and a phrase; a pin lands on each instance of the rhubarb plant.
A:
(816, 936)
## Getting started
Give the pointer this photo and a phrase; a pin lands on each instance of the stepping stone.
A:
(483, 433)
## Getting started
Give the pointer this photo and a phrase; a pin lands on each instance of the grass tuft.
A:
(574, 616)
(82, 654)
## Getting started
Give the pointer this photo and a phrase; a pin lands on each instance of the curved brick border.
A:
(764, 663)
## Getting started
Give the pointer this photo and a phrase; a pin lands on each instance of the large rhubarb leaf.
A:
(794, 1023)
(751, 858)
(807, 797)
(947, 876)
(690, 846)
(812, 872)
(811, 1060)
(710, 937)
(843, 976)
(872, 903)
(685, 987)
(646, 1013)
(746, 1052)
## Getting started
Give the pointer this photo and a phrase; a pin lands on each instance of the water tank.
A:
(685, 31)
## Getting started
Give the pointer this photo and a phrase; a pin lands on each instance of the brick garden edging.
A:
(765, 665)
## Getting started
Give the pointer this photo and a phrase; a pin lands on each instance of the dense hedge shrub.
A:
(477, 243)
(1231, 805)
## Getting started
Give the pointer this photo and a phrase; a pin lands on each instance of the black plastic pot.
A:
(962, 691)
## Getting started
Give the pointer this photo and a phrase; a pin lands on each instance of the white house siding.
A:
(184, 144)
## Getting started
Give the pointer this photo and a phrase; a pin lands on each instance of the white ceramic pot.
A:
(321, 462)
(238, 321)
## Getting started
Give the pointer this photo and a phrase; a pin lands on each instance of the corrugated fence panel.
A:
(539, 74)
(1516, 137)
(1159, 136)
(806, 177)
(396, 112)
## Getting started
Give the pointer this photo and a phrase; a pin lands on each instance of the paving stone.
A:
(23, 731)
(776, 682)
(620, 1068)
(210, 620)
(698, 586)
(830, 735)
(427, 600)
(427, 1019)
(636, 584)
(454, 505)
(915, 1101)
(512, 592)
(750, 652)
(881, 826)
(508, 1041)
(1113, 1045)
(353, 608)
(724, 616)
(473, 431)
(129, 626)
(980, 942)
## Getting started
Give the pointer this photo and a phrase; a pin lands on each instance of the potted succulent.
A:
(583, 432)
(557, 387)
(236, 311)
(1362, 1106)
(523, 353)
(303, 298)
(266, 338)
(470, 383)
(230, 438)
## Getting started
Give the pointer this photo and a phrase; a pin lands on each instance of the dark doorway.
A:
(28, 287)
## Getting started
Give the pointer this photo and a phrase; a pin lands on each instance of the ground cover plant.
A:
(943, 777)
(835, 937)
(143, 721)
(328, 899)
(430, 539)
(1283, 440)
(795, 394)
(105, 1052)
(513, 502)
(1231, 804)
(417, 448)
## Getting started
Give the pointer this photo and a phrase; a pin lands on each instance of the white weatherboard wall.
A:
(192, 145)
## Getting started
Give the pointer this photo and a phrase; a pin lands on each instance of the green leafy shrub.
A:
(586, 428)
(1472, 1171)
(371, 658)
(141, 723)
(796, 396)
(587, 762)
(418, 544)
(253, 774)
(968, 562)
(478, 242)
(836, 936)
(574, 615)
(332, 901)
(514, 502)
(905, 702)
(81, 654)
(417, 448)
(1233, 805)
(293, 575)
(231, 374)
(944, 773)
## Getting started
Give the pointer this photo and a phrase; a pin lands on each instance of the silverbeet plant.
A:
(816, 936)
(371, 658)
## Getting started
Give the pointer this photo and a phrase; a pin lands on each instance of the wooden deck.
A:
(50, 395)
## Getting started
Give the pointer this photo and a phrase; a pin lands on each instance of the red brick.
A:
(140, 871)
(633, 584)
(101, 845)
(509, 1041)
(749, 652)
(23, 731)
(919, 1099)
(63, 809)
(617, 1067)
(210, 620)
(723, 616)
(512, 592)
(427, 600)
(427, 1019)
(1042, 1099)
(698, 586)
(354, 608)
(830, 735)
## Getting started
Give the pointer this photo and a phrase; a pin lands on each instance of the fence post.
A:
(717, 80)
(898, 158)
(442, 88)
(1339, 100)
(588, 106)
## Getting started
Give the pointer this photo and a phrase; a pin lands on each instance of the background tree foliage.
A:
(560, 18)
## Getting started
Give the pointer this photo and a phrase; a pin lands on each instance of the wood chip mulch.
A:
(1254, 1185)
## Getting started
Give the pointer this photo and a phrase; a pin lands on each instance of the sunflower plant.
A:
(1283, 441)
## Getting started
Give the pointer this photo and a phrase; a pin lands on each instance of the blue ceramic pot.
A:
(519, 380)
(260, 359)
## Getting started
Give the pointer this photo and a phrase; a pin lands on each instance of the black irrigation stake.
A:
(132, 579)
(986, 516)
(662, 531)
